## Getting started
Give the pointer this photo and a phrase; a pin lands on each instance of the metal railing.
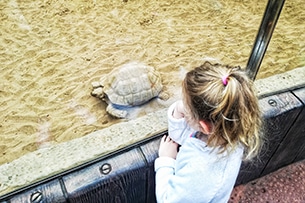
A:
(263, 37)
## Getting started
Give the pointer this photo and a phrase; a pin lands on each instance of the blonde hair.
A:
(223, 96)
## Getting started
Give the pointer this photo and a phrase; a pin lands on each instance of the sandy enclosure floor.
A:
(51, 51)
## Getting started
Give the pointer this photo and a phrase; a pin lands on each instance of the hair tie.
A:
(224, 80)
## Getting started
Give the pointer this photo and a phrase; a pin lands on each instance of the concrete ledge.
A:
(46, 162)
(284, 82)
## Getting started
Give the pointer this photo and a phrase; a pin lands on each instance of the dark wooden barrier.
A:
(48, 192)
(281, 113)
(121, 178)
(297, 131)
(128, 175)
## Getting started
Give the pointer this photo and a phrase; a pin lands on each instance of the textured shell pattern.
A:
(132, 84)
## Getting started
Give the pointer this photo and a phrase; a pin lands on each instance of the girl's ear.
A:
(205, 126)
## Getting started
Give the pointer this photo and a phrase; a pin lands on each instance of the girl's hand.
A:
(179, 110)
(168, 148)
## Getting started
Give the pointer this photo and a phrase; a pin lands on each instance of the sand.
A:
(52, 50)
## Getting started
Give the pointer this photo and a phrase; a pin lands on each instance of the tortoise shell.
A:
(129, 85)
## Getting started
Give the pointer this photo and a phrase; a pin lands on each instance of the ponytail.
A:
(224, 96)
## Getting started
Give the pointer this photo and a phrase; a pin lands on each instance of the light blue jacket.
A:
(199, 173)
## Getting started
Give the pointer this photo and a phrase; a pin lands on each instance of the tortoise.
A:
(129, 85)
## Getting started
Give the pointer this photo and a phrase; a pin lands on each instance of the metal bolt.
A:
(272, 102)
(105, 169)
(36, 197)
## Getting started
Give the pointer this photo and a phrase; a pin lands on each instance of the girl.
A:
(217, 125)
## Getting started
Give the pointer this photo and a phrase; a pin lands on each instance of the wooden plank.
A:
(300, 127)
(278, 118)
(121, 178)
(291, 143)
(49, 192)
(300, 93)
(150, 151)
(298, 137)
(301, 154)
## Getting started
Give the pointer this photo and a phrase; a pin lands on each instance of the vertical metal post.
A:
(263, 37)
